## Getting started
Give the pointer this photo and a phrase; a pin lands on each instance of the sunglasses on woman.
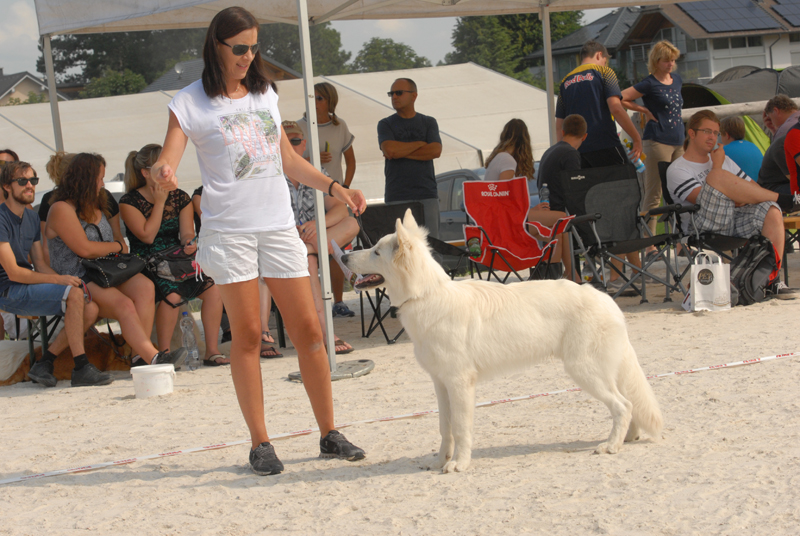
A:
(22, 181)
(295, 141)
(241, 50)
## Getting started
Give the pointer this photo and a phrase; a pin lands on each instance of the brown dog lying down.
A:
(99, 350)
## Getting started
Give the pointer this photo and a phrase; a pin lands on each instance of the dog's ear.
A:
(402, 236)
(409, 221)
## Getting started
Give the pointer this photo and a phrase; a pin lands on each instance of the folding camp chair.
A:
(378, 221)
(673, 215)
(500, 212)
(609, 198)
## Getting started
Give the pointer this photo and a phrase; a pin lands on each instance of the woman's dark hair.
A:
(79, 185)
(226, 24)
(515, 134)
(11, 153)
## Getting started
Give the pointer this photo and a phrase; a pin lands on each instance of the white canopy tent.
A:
(96, 16)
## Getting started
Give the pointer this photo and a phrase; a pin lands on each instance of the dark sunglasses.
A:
(241, 50)
(399, 92)
(320, 98)
(23, 181)
(295, 141)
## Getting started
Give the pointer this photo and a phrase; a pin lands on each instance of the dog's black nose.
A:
(344, 258)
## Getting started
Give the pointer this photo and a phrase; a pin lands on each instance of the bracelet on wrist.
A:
(330, 188)
(121, 247)
(346, 186)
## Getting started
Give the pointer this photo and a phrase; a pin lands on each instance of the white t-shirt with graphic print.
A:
(683, 177)
(238, 150)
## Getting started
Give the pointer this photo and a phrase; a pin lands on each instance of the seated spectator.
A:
(513, 157)
(24, 291)
(340, 226)
(7, 155)
(56, 167)
(730, 202)
(774, 174)
(156, 220)
(79, 205)
(782, 113)
(744, 153)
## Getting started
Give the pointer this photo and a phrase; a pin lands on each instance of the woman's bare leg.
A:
(143, 293)
(166, 318)
(211, 316)
(114, 304)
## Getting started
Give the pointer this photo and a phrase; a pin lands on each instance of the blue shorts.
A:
(35, 300)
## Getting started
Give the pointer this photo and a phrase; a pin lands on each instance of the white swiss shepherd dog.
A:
(465, 331)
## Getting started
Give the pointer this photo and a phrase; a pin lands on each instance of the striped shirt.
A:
(683, 177)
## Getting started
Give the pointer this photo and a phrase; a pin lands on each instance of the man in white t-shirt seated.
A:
(731, 203)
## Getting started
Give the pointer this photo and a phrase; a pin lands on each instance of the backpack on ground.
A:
(754, 270)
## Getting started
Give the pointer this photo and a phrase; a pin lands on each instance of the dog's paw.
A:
(606, 448)
(456, 466)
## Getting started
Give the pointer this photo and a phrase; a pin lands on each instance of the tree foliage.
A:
(33, 98)
(114, 83)
(379, 54)
(501, 42)
(281, 42)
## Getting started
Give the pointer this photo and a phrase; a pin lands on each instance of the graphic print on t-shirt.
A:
(253, 144)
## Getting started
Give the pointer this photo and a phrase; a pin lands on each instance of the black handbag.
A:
(113, 269)
(173, 264)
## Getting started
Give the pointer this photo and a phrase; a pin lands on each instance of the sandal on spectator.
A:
(269, 352)
(212, 361)
(340, 343)
(267, 337)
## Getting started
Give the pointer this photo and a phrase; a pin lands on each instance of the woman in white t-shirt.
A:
(513, 157)
(336, 143)
(231, 115)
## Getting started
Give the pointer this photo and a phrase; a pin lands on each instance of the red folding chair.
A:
(500, 212)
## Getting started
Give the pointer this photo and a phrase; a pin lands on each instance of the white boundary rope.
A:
(297, 433)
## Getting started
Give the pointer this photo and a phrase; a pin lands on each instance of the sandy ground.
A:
(729, 462)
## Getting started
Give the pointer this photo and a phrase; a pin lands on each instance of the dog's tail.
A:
(634, 386)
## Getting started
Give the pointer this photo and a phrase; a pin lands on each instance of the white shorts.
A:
(235, 257)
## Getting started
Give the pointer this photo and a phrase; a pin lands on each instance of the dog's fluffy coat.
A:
(467, 331)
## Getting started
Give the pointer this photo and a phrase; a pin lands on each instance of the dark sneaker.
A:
(42, 373)
(176, 358)
(264, 461)
(90, 375)
(335, 445)
(779, 290)
(340, 309)
(137, 361)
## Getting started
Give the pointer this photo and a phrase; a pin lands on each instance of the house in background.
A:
(20, 85)
(186, 72)
(712, 35)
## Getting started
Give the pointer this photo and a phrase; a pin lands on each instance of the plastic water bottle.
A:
(544, 193)
(189, 342)
(638, 164)
(474, 247)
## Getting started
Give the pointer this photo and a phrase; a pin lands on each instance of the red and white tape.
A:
(96, 466)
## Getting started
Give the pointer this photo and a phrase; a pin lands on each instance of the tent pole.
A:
(544, 16)
(53, 95)
(312, 146)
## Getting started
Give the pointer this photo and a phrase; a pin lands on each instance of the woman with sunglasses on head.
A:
(78, 228)
(157, 220)
(336, 143)
(232, 117)
(56, 167)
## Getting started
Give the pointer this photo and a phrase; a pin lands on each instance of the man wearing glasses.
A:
(24, 291)
(410, 141)
(731, 203)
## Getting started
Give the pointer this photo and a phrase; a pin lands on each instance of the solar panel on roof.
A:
(789, 10)
(717, 16)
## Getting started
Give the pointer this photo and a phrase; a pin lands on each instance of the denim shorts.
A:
(44, 299)
(235, 257)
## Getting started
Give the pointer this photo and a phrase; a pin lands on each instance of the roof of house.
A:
(186, 72)
(610, 30)
(731, 21)
(9, 81)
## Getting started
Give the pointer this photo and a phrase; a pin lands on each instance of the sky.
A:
(428, 37)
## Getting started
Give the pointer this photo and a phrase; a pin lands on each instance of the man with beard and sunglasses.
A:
(24, 291)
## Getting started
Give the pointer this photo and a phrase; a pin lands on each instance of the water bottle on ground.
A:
(189, 342)
(544, 193)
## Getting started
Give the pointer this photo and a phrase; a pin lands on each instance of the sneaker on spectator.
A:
(176, 358)
(340, 309)
(264, 461)
(42, 373)
(90, 375)
(614, 286)
(782, 292)
(335, 445)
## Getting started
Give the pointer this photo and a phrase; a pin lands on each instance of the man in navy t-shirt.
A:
(410, 142)
(592, 91)
(43, 292)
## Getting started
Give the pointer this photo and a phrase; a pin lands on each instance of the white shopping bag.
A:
(710, 284)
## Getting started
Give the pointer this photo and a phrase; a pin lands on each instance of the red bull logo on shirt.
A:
(588, 77)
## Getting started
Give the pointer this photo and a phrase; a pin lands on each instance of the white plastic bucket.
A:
(153, 380)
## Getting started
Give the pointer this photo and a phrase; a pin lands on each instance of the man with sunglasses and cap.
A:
(42, 292)
(410, 142)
